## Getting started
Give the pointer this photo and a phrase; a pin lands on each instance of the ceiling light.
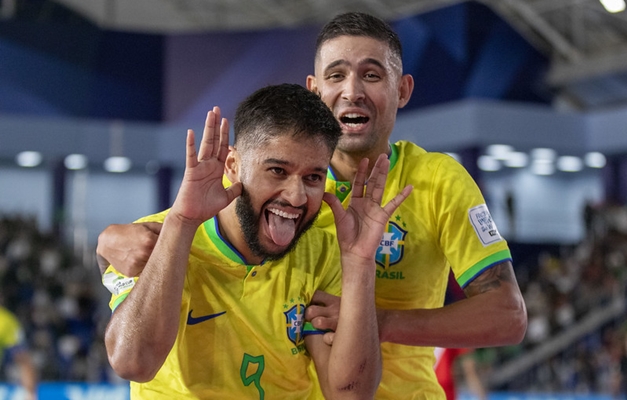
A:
(28, 159)
(117, 164)
(75, 161)
(542, 167)
(595, 159)
(499, 151)
(517, 159)
(569, 164)
(488, 163)
(543, 154)
(613, 6)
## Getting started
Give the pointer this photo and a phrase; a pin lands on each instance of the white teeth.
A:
(353, 115)
(352, 125)
(283, 213)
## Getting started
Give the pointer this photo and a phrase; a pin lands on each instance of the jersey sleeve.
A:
(468, 235)
(118, 284)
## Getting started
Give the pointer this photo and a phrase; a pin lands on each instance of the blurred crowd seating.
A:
(59, 300)
(576, 340)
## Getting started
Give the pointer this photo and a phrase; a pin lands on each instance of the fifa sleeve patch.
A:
(485, 228)
(117, 284)
(308, 329)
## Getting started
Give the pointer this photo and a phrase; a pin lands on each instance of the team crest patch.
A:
(485, 228)
(392, 245)
(294, 323)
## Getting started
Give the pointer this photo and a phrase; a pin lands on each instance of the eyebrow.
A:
(283, 162)
(367, 61)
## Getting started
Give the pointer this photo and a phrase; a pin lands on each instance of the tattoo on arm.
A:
(491, 279)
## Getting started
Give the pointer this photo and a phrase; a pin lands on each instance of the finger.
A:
(378, 176)
(223, 150)
(191, 157)
(328, 337)
(210, 137)
(336, 206)
(360, 178)
(233, 191)
(393, 204)
(323, 298)
(324, 323)
(154, 227)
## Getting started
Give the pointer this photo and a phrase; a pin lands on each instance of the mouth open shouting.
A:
(353, 120)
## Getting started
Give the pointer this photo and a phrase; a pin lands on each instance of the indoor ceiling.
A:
(587, 45)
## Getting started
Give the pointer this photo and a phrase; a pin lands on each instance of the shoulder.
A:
(416, 162)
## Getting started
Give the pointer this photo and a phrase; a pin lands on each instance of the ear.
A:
(406, 87)
(312, 85)
(231, 165)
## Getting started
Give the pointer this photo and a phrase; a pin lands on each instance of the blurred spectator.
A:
(14, 349)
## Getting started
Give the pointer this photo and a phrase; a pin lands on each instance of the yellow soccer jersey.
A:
(11, 334)
(240, 331)
(444, 222)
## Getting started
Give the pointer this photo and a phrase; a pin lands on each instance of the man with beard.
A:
(218, 310)
(444, 226)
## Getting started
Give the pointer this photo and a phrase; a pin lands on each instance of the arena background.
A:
(95, 82)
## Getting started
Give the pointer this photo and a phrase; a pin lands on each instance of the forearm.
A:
(355, 359)
(28, 374)
(144, 327)
(494, 318)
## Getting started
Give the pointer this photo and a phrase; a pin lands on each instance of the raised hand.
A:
(202, 194)
(361, 226)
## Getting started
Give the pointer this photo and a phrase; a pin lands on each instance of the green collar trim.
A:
(342, 189)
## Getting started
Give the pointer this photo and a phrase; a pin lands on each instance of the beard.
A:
(249, 224)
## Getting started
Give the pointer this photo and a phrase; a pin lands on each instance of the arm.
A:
(351, 368)
(144, 327)
(28, 374)
(127, 246)
(493, 314)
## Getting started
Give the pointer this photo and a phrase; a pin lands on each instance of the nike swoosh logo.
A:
(193, 321)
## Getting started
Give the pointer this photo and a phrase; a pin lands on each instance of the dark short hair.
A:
(360, 24)
(284, 109)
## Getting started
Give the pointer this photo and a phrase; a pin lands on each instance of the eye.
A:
(315, 178)
(336, 76)
(372, 77)
(277, 170)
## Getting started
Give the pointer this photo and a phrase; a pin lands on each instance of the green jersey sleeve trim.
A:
(487, 262)
(308, 329)
(118, 301)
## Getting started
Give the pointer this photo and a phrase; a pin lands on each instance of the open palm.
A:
(202, 194)
(361, 226)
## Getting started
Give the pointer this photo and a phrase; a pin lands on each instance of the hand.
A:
(361, 226)
(202, 194)
(127, 247)
(323, 313)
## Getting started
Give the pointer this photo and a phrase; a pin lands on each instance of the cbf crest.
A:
(392, 245)
(294, 323)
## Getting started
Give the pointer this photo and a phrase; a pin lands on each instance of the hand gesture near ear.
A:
(361, 226)
(202, 194)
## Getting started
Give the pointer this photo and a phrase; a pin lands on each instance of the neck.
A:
(232, 233)
(345, 164)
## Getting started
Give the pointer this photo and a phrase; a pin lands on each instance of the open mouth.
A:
(282, 226)
(353, 119)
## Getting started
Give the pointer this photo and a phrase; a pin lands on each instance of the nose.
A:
(294, 192)
(353, 89)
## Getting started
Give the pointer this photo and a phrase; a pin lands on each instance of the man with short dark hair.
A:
(218, 310)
